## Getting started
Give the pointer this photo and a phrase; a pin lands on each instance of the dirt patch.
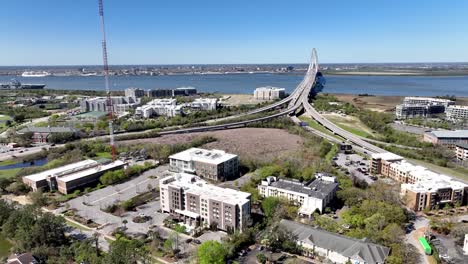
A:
(262, 144)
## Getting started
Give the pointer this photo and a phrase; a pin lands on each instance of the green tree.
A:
(212, 252)
(269, 206)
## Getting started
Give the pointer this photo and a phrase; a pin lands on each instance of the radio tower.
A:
(106, 79)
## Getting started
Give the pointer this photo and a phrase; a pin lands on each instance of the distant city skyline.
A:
(241, 32)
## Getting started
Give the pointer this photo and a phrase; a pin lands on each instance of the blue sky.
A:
(66, 32)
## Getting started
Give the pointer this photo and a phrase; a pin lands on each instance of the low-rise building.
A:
(380, 162)
(198, 203)
(159, 93)
(70, 177)
(269, 93)
(207, 104)
(42, 135)
(461, 150)
(405, 111)
(457, 112)
(311, 196)
(334, 247)
(134, 92)
(159, 107)
(447, 137)
(120, 104)
(215, 165)
(184, 91)
(427, 101)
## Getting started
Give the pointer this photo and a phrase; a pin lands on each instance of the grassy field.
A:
(441, 170)
(82, 228)
(313, 124)
(5, 246)
(351, 124)
(9, 173)
(105, 155)
(7, 162)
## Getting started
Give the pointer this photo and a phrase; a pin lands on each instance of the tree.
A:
(212, 252)
(38, 198)
(269, 206)
(261, 258)
(127, 251)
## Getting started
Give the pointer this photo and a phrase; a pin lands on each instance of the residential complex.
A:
(198, 203)
(457, 112)
(70, 177)
(461, 150)
(447, 138)
(159, 107)
(334, 247)
(159, 93)
(310, 196)
(207, 104)
(120, 104)
(134, 92)
(423, 188)
(427, 101)
(215, 165)
(42, 134)
(269, 93)
(421, 107)
(182, 91)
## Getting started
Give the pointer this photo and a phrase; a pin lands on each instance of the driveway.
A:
(420, 226)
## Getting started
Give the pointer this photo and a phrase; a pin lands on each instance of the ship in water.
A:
(35, 74)
(15, 84)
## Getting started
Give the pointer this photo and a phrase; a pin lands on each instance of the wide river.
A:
(246, 83)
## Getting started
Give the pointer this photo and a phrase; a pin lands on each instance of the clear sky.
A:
(66, 32)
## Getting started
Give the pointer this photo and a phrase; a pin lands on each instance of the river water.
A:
(246, 83)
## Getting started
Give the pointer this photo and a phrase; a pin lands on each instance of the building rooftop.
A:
(462, 145)
(269, 88)
(388, 156)
(459, 106)
(195, 185)
(359, 249)
(450, 133)
(91, 171)
(428, 99)
(213, 156)
(319, 188)
(47, 129)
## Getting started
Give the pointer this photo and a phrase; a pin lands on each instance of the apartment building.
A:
(380, 162)
(269, 93)
(457, 112)
(310, 196)
(446, 137)
(206, 104)
(70, 177)
(134, 92)
(120, 104)
(215, 165)
(198, 203)
(159, 107)
(405, 111)
(461, 151)
(184, 91)
(159, 93)
(427, 101)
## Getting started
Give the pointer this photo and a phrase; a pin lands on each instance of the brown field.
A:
(262, 144)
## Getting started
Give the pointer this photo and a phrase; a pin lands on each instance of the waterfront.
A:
(246, 83)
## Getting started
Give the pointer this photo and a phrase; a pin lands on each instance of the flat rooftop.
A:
(388, 156)
(195, 185)
(91, 171)
(450, 133)
(318, 188)
(213, 156)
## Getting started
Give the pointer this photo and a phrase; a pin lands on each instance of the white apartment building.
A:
(206, 104)
(198, 203)
(269, 93)
(159, 107)
(427, 101)
(216, 165)
(461, 150)
(310, 196)
(134, 92)
(120, 104)
(455, 112)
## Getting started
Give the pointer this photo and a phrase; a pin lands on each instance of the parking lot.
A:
(355, 165)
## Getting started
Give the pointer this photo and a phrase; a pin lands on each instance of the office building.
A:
(159, 93)
(334, 247)
(405, 111)
(197, 203)
(310, 196)
(120, 104)
(206, 104)
(446, 137)
(134, 92)
(42, 135)
(269, 93)
(215, 165)
(457, 112)
(461, 151)
(184, 91)
(159, 107)
(70, 177)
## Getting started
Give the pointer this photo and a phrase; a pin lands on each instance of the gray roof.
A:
(359, 249)
(462, 145)
(47, 129)
(318, 188)
(450, 134)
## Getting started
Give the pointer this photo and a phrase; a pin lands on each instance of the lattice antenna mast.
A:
(110, 108)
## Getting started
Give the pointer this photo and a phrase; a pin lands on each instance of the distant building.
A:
(310, 196)
(334, 247)
(134, 92)
(70, 177)
(184, 91)
(25, 258)
(197, 203)
(446, 137)
(159, 93)
(207, 104)
(269, 93)
(42, 134)
(457, 112)
(159, 107)
(461, 151)
(215, 165)
(421, 107)
(120, 104)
